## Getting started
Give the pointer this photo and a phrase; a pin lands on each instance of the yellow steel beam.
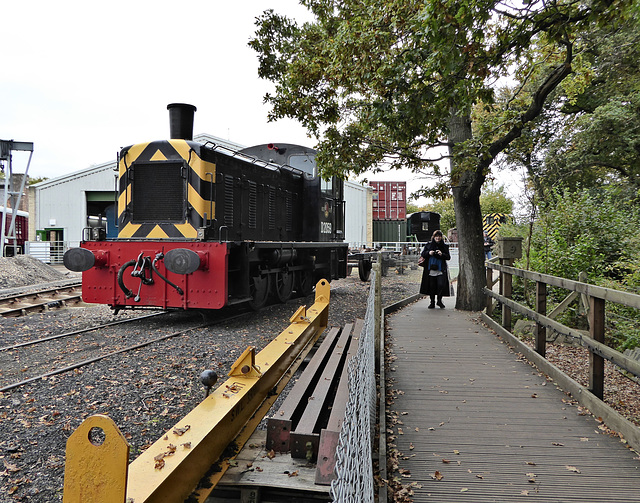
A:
(171, 468)
(97, 462)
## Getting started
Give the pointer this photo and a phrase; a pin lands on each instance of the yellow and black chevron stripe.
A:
(199, 187)
(491, 223)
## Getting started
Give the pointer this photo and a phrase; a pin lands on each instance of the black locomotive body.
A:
(203, 226)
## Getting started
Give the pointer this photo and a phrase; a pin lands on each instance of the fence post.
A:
(506, 291)
(541, 308)
(377, 308)
(596, 362)
(489, 273)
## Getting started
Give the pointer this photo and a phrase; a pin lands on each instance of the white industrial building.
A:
(62, 209)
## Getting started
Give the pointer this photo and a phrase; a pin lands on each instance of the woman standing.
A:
(435, 276)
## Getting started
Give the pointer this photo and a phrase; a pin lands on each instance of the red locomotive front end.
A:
(166, 275)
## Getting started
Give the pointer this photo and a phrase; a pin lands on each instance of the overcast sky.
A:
(83, 79)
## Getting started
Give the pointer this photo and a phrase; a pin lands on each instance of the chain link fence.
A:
(354, 467)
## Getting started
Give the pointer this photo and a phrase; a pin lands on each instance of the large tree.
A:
(392, 83)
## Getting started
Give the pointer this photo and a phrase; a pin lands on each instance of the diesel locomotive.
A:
(201, 226)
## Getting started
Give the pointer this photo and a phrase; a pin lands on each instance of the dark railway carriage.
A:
(15, 237)
(202, 226)
(423, 224)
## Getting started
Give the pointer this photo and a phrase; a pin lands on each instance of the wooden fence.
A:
(595, 296)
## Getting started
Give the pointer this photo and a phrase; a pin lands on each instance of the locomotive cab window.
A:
(158, 192)
(326, 186)
(305, 163)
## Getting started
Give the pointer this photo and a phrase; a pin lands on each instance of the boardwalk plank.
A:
(504, 432)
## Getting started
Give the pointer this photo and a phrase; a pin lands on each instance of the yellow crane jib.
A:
(170, 469)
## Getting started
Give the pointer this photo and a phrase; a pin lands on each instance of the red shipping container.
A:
(389, 200)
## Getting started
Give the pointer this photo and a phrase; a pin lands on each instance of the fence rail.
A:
(595, 342)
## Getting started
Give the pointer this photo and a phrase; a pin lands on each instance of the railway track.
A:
(44, 299)
(37, 359)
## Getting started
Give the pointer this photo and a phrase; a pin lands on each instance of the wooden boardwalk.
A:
(479, 424)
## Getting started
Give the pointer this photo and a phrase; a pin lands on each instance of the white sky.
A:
(83, 79)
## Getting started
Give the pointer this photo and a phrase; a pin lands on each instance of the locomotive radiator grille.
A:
(289, 212)
(228, 200)
(253, 205)
(272, 208)
(158, 193)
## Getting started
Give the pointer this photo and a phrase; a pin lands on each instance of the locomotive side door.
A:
(331, 210)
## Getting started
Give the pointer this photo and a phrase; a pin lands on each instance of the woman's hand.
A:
(431, 252)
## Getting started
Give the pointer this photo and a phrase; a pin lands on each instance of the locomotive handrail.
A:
(255, 160)
(594, 342)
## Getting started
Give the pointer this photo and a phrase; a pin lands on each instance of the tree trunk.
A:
(466, 185)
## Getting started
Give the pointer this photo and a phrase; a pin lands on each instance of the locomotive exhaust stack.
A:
(181, 121)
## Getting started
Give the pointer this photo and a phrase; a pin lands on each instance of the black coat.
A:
(443, 279)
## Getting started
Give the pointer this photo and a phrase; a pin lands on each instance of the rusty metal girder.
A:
(171, 468)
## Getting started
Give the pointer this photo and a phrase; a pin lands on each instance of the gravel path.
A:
(145, 392)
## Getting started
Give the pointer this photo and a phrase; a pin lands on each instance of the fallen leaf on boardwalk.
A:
(572, 469)
(464, 490)
(417, 429)
(524, 493)
(584, 439)
(531, 463)
(437, 475)
(557, 443)
(535, 395)
(478, 476)
(293, 474)
(159, 464)
(271, 454)
(446, 461)
(400, 432)
(456, 451)
(531, 477)
(411, 447)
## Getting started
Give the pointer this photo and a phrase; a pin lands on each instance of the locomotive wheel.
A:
(259, 290)
(304, 283)
(283, 285)
(364, 269)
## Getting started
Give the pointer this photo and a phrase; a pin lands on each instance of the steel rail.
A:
(113, 353)
(46, 299)
(76, 332)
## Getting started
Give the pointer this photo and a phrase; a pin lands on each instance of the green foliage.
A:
(596, 231)
(589, 231)
(376, 82)
(413, 208)
(495, 200)
(34, 180)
